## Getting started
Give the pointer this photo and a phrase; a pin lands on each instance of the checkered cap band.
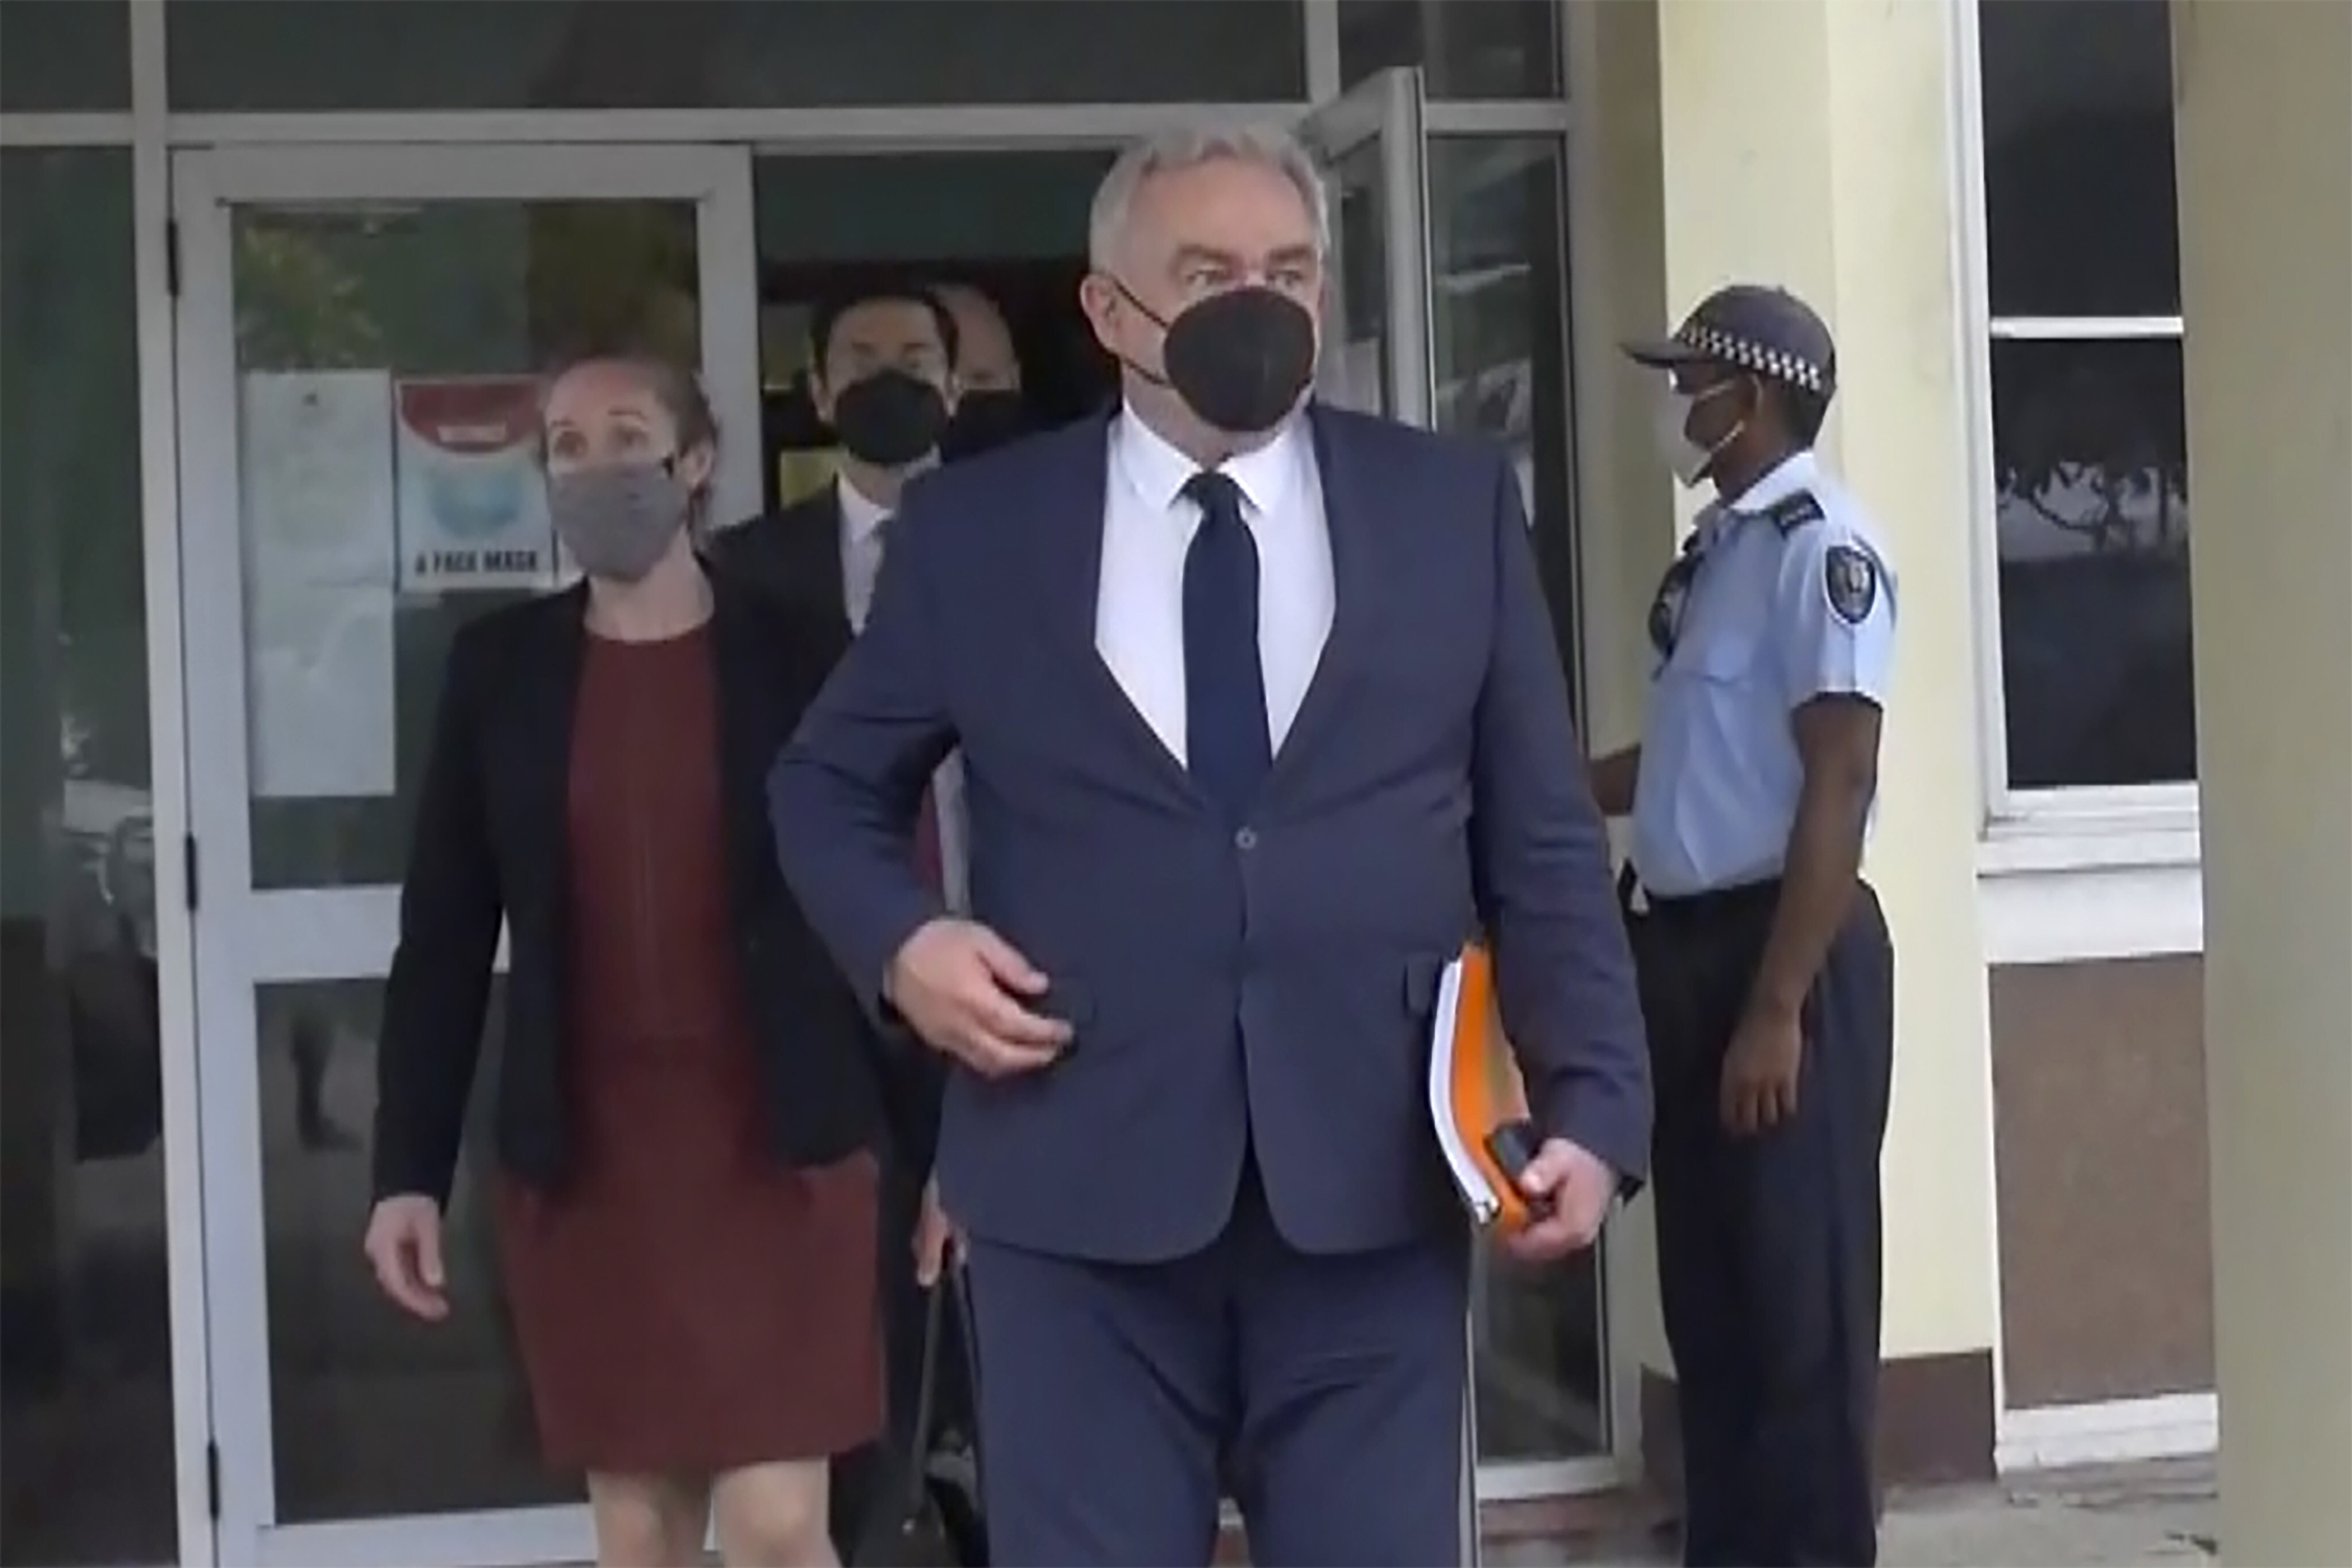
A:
(1762, 358)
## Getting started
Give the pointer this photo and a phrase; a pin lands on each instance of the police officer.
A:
(1767, 975)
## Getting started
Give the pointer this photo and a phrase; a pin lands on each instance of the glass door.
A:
(360, 335)
(1371, 147)
(1375, 158)
(1539, 1393)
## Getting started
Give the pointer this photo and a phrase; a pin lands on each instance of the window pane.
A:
(2081, 214)
(62, 57)
(659, 54)
(373, 1413)
(85, 1330)
(1501, 339)
(2092, 517)
(1467, 48)
(442, 305)
(1499, 260)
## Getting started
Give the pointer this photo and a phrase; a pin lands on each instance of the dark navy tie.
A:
(1225, 742)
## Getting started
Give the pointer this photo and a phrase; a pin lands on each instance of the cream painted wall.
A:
(1811, 142)
(2263, 96)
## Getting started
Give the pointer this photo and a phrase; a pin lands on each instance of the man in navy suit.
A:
(1261, 717)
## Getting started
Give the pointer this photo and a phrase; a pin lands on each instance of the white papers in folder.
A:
(1475, 1089)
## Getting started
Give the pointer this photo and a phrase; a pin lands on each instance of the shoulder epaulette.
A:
(1795, 513)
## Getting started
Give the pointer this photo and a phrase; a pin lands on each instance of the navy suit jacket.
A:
(1272, 987)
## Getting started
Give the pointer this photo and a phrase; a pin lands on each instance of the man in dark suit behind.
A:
(1260, 718)
(883, 378)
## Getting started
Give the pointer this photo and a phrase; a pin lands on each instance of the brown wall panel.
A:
(2107, 1278)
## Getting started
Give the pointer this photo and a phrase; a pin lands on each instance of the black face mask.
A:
(890, 419)
(984, 421)
(1239, 359)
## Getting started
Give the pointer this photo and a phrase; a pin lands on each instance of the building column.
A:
(1809, 144)
(2263, 137)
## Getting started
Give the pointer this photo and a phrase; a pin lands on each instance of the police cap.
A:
(1768, 331)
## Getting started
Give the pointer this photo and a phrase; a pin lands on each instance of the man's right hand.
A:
(963, 989)
(404, 1246)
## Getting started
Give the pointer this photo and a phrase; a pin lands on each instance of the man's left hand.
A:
(1760, 1072)
(1572, 1188)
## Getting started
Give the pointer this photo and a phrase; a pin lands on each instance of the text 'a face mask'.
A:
(618, 519)
(1240, 359)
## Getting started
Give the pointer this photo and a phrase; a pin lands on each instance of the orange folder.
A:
(1477, 1102)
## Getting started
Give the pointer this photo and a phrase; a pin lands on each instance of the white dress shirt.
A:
(1148, 527)
(862, 543)
(862, 518)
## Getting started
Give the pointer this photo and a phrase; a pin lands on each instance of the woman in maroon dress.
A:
(686, 1213)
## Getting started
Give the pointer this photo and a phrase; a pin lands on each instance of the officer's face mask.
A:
(1240, 359)
(1687, 459)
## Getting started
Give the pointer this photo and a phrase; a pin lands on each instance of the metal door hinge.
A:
(172, 257)
(188, 863)
(212, 1478)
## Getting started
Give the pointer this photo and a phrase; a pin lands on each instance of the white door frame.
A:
(1389, 113)
(242, 936)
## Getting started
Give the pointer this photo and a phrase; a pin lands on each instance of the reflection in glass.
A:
(743, 54)
(66, 58)
(435, 290)
(2091, 448)
(373, 1413)
(86, 1454)
(1466, 48)
(1501, 342)
(1356, 368)
(1499, 324)
(2081, 216)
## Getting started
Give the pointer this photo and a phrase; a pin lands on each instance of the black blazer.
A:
(792, 557)
(491, 844)
(794, 554)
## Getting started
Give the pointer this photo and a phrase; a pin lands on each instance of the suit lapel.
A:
(742, 678)
(813, 541)
(1068, 530)
(537, 731)
(1359, 580)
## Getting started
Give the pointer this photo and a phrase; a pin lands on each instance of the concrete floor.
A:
(2133, 1515)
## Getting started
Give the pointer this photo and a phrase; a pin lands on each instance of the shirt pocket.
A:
(1723, 655)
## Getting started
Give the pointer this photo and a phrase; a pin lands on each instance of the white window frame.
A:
(138, 131)
(2064, 874)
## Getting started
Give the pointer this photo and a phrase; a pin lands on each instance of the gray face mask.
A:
(617, 520)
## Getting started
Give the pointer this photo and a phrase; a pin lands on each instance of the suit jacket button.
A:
(1246, 840)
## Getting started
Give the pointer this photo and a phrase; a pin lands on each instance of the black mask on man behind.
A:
(1239, 359)
(890, 418)
(984, 421)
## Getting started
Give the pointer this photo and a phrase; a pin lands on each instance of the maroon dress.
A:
(684, 1301)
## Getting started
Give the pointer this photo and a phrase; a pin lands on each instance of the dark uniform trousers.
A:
(1769, 1247)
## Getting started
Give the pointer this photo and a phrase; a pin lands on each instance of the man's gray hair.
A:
(1172, 152)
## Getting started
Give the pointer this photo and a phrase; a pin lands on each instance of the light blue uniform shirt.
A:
(1781, 596)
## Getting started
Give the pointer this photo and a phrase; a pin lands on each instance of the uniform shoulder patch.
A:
(1850, 582)
(1795, 513)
